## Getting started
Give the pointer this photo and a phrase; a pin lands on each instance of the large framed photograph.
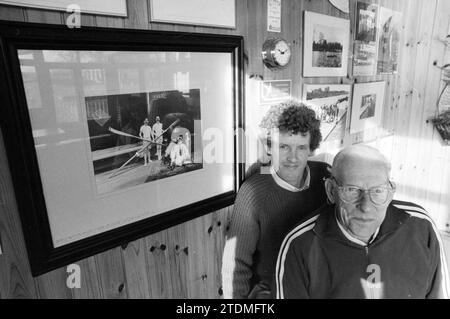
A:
(107, 132)
(110, 7)
(367, 106)
(215, 13)
(331, 104)
(326, 45)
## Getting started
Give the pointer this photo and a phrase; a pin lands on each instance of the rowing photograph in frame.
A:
(142, 137)
(325, 46)
(331, 103)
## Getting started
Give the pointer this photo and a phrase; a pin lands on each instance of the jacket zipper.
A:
(369, 285)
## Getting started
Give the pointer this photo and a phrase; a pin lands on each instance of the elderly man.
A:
(364, 244)
(269, 203)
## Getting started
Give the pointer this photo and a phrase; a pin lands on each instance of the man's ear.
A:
(269, 146)
(329, 190)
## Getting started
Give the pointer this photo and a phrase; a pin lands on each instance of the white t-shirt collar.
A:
(283, 184)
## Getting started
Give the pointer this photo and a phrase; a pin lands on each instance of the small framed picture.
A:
(366, 21)
(367, 106)
(326, 45)
(275, 91)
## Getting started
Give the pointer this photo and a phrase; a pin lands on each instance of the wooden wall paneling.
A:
(178, 260)
(158, 274)
(409, 56)
(292, 22)
(138, 17)
(135, 266)
(213, 253)
(242, 20)
(196, 241)
(53, 285)
(431, 147)
(15, 274)
(89, 282)
(220, 223)
(42, 16)
(109, 22)
(12, 13)
(422, 67)
(112, 274)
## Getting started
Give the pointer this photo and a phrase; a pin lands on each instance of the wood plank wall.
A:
(184, 261)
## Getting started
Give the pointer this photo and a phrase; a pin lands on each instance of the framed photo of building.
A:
(107, 132)
(367, 106)
(215, 13)
(325, 45)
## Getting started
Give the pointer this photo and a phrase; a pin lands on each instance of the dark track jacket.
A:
(405, 260)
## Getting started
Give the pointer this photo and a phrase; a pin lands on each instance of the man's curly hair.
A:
(295, 118)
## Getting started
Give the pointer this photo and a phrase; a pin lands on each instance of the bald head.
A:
(360, 157)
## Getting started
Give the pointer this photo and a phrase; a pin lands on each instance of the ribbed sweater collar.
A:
(283, 184)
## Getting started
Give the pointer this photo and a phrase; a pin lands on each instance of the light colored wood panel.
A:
(430, 146)
(409, 56)
(178, 260)
(111, 273)
(53, 285)
(422, 68)
(90, 283)
(158, 274)
(134, 256)
(198, 267)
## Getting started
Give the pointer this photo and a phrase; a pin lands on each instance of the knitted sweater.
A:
(263, 214)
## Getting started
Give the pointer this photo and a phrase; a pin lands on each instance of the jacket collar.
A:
(327, 227)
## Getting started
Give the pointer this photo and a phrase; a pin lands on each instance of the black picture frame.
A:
(20, 146)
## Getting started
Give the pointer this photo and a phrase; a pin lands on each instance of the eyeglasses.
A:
(379, 195)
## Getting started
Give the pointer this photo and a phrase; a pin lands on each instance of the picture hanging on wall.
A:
(215, 13)
(389, 28)
(326, 43)
(106, 137)
(367, 106)
(364, 50)
(331, 103)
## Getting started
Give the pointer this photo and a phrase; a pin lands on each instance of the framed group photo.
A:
(107, 132)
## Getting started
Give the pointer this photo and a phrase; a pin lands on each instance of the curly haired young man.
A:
(268, 205)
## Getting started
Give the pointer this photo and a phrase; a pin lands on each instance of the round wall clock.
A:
(276, 53)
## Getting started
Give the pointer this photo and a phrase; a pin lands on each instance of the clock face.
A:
(276, 53)
(282, 53)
